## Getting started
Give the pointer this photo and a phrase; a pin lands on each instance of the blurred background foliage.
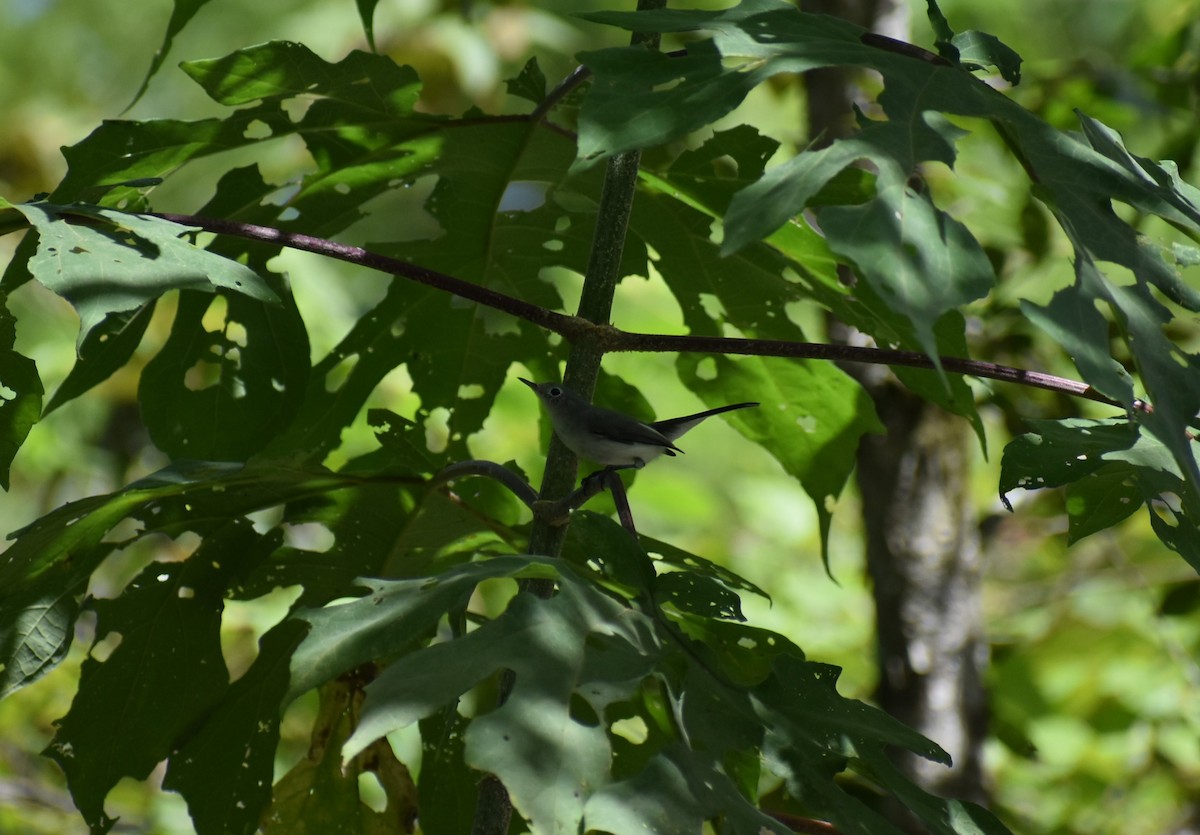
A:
(1095, 674)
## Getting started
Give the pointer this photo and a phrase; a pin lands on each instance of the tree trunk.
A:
(923, 555)
(923, 547)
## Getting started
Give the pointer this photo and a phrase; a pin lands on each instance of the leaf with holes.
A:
(113, 262)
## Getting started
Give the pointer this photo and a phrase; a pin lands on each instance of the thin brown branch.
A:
(575, 329)
(806, 826)
(874, 39)
(618, 340)
(579, 75)
(488, 469)
(568, 326)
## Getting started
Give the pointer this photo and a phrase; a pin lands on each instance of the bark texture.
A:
(923, 544)
(924, 558)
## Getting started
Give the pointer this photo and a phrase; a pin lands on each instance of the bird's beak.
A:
(533, 386)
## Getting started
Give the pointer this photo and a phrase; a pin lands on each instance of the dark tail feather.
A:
(675, 427)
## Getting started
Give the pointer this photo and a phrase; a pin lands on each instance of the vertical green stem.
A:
(493, 809)
(583, 364)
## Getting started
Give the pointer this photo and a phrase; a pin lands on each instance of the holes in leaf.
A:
(204, 374)
(437, 430)
(6, 394)
(338, 375)
(257, 129)
(308, 536)
(582, 712)
(470, 391)
(244, 622)
(371, 792)
(497, 323)
(124, 530)
(523, 196)
(706, 369)
(297, 107)
(632, 729)
(104, 647)
(235, 333)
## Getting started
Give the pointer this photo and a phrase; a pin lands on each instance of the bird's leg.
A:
(612, 468)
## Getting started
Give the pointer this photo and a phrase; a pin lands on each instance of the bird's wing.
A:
(615, 426)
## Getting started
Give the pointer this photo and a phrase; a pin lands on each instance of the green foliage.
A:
(639, 696)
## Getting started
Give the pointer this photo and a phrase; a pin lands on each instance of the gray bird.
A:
(610, 438)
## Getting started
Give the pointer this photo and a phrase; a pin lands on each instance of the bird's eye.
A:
(554, 391)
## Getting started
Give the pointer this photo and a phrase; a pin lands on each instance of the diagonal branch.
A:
(610, 339)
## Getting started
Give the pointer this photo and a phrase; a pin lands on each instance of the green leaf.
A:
(613, 661)
(352, 164)
(632, 81)
(1072, 320)
(403, 439)
(320, 796)
(503, 226)
(921, 262)
(1101, 500)
(596, 542)
(228, 786)
(988, 51)
(166, 670)
(121, 262)
(284, 69)
(548, 790)
(1060, 452)
(807, 739)
(812, 418)
(783, 191)
(742, 654)
(530, 83)
(20, 393)
(1177, 530)
(755, 283)
(181, 14)
(700, 595)
(188, 495)
(941, 27)
(251, 374)
(366, 11)
(681, 560)
(69, 535)
(447, 787)
(1112, 468)
(36, 630)
(395, 615)
(104, 350)
(675, 793)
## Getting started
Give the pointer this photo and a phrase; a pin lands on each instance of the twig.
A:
(576, 329)
(559, 323)
(577, 77)
(489, 469)
(618, 340)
